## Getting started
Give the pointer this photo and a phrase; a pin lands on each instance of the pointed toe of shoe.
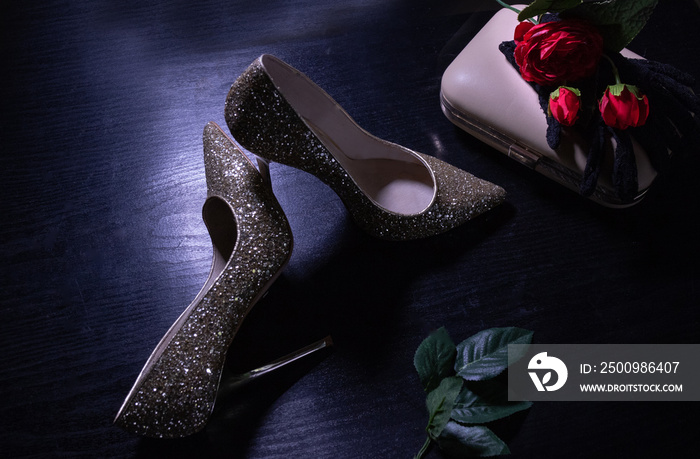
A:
(472, 194)
(460, 197)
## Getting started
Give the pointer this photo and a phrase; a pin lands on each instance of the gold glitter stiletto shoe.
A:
(174, 394)
(392, 192)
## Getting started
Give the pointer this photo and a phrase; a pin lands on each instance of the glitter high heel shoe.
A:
(174, 394)
(392, 192)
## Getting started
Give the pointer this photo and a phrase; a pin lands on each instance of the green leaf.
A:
(618, 21)
(462, 441)
(486, 403)
(434, 359)
(616, 89)
(440, 403)
(539, 7)
(485, 355)
(554, 94)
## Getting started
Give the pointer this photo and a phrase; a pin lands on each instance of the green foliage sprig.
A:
(618, 21)
(462, 392)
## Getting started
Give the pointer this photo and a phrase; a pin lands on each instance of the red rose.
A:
(521, 29)
(623, 106)
(553, 53)
(564, 104)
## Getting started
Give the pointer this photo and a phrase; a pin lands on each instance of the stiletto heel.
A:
(392, 192)
(237, 381)
(264, 167)
(175, 392)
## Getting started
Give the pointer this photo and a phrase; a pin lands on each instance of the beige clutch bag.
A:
(485, 96)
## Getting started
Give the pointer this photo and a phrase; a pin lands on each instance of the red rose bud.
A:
(556, 52)
(564, 105)
(521, 29)
(624, 106)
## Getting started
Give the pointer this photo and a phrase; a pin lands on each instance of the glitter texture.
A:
(264, 122)
(175, 392)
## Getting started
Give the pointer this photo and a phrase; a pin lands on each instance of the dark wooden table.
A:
(102, 243)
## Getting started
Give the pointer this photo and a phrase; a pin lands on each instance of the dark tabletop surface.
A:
(102, 243)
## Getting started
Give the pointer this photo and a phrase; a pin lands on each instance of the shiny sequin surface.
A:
(175, 393)
(260, 117)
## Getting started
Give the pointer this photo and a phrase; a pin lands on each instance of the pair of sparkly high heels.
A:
(280, 115)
